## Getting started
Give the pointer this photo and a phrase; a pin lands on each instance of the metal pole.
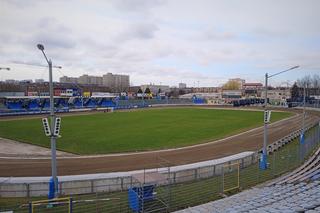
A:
(303, 118)
(52, 137)
(304, 108)
(143, 97)
(263, 160)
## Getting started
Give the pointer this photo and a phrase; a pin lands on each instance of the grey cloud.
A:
(30, 62)
(6, 38)
(139, 31)
(218, 35)
(53, 34)
(137, 5)
(57, 40)
(261, 32)
(52, 25)
(21, 4)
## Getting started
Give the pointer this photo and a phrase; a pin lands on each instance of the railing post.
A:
(196, 173)
(30, 207)
(28, 191)
(274, 164)
(70, 205)
(92, 186)
(121, 180)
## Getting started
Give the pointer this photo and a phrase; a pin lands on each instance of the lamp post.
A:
(52, 124)
(263, 160)
(304, 116)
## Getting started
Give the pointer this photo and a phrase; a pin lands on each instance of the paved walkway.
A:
(10, 148)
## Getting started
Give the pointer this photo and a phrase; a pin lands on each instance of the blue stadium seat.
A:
(14, 105)
(33, 105)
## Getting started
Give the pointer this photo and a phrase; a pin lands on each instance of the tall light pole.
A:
(304, 115)
(52, 116)
(263, 160)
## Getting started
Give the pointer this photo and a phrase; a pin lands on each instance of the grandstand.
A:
(302, 197)
(248, 102)
(298, 191)
(309, 171)
(14, 105)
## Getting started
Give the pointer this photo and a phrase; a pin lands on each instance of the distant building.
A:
(278, 96)
(11, 81)
(88, 79)
(66, 79)
(205, 89)
(182, 85)
(155, 88)
(26, 81)
(231, 95)
(253, 86)
(252, 89)
(39, 80)
(118, 83)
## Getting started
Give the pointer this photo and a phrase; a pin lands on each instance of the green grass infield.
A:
(138, 130)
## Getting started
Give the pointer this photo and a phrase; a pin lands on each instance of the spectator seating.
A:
(302, 197)
(308, 171)
(298, 191)
(15, 105)
(33, 105)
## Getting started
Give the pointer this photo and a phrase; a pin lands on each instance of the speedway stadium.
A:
(152, 156)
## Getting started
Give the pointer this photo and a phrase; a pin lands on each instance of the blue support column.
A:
(302, 146)
(263, 161)
(52, 190)
(302, 138)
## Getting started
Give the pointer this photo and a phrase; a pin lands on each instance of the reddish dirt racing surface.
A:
(248, 141)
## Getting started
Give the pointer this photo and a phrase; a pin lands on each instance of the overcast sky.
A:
(167, 41)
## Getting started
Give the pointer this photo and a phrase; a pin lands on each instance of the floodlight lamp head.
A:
(40, 47)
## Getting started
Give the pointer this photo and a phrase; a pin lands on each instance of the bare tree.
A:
(312, 84)
(316, 83)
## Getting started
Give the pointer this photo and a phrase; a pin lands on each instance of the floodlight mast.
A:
(52, 124)
(263, 160)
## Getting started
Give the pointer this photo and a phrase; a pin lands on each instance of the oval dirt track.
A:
(248, 141)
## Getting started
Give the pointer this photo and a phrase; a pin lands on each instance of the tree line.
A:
(311, 84)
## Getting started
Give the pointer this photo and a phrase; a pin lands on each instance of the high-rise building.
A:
(88, 79)
(119, 83)
(182, 85)
(66, 79)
